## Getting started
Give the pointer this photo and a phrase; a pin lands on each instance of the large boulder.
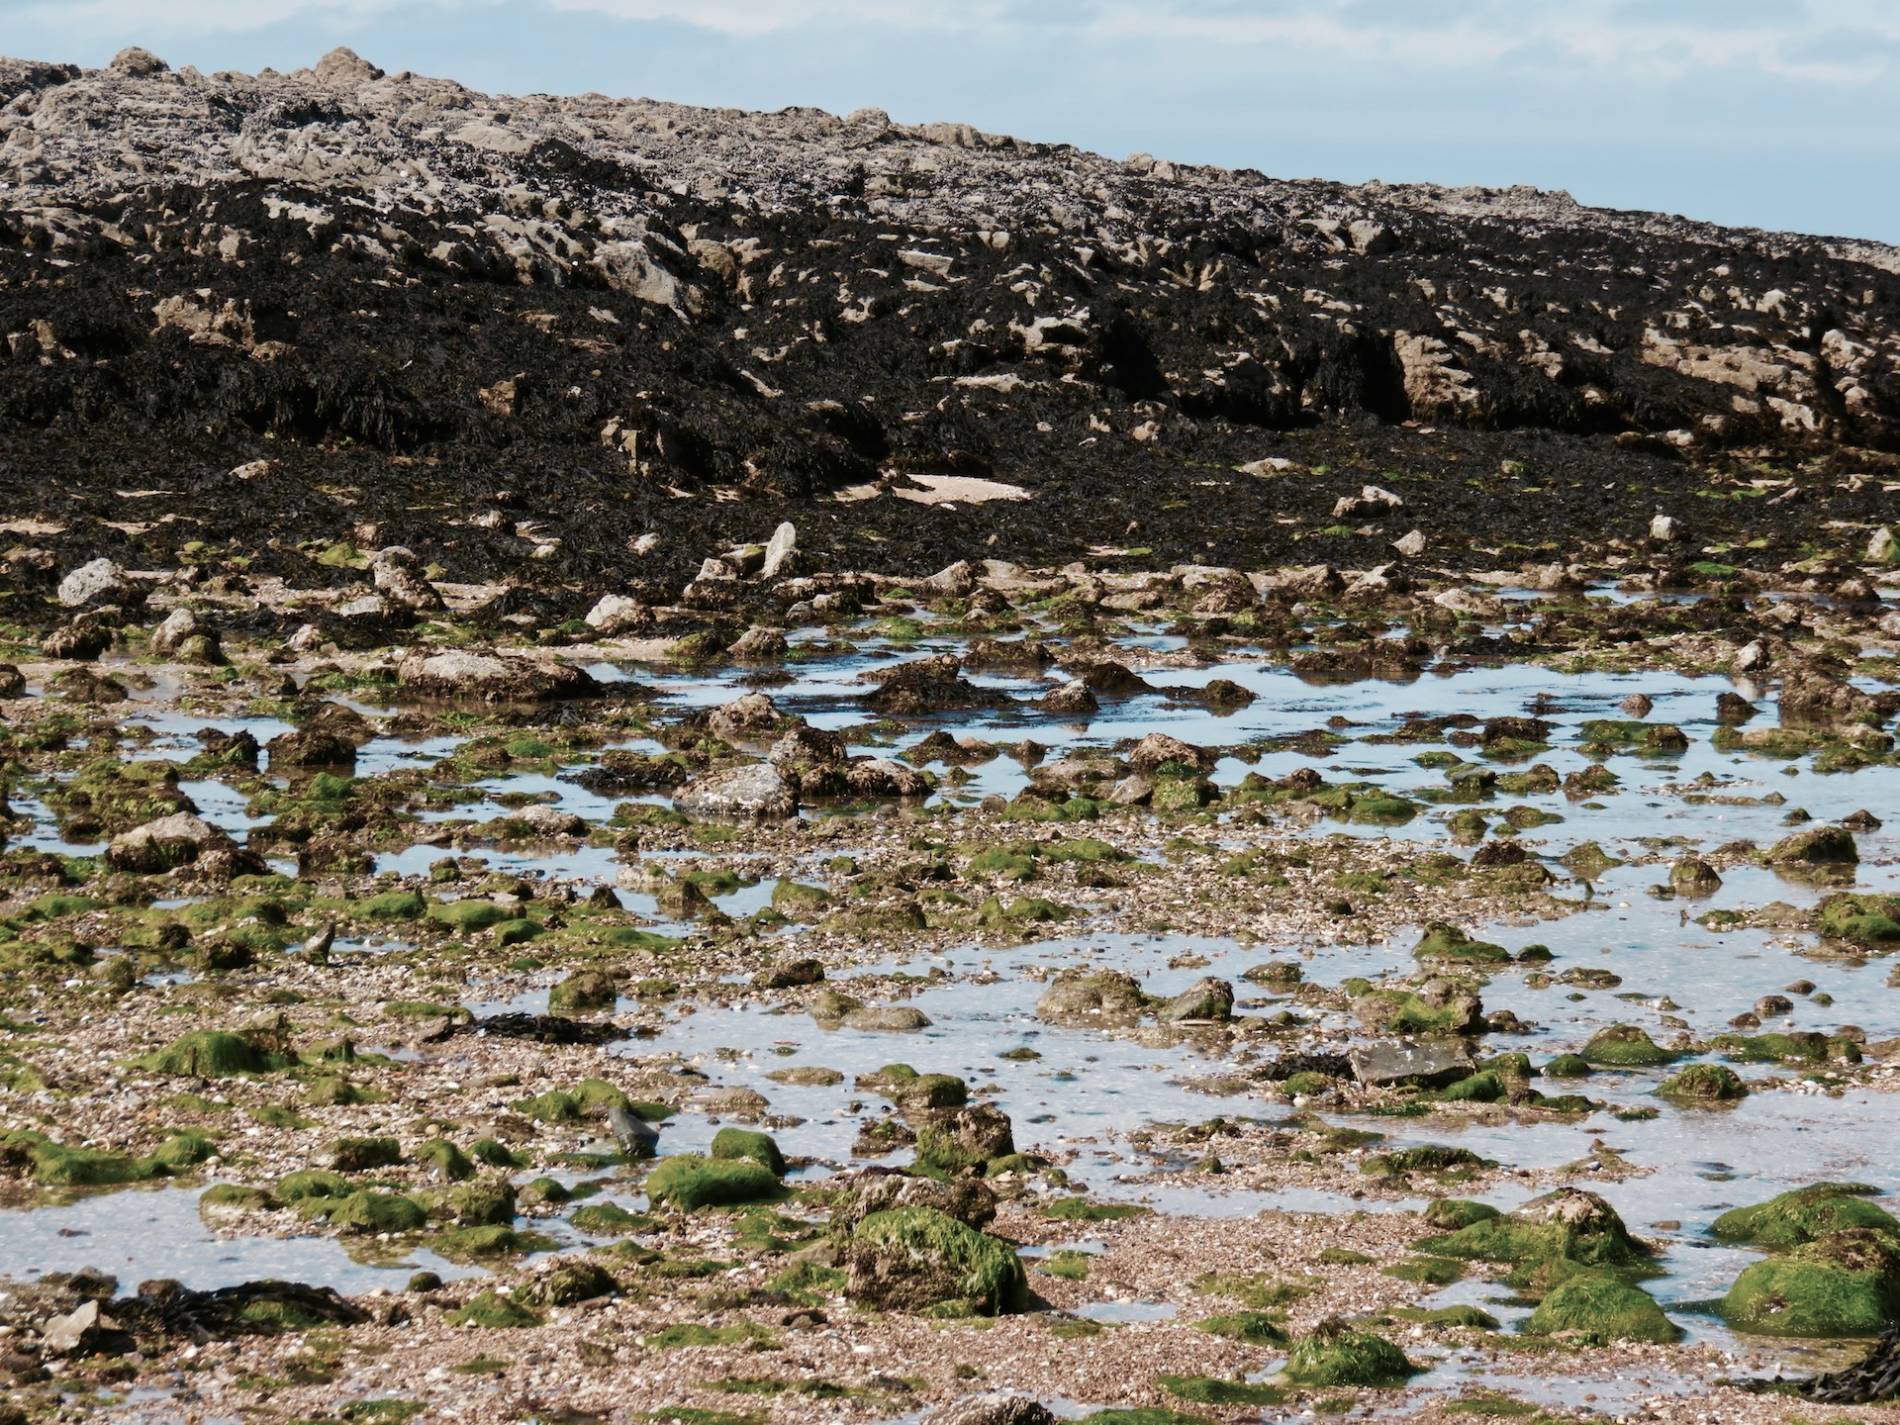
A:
(919, 1259)
(1844, 1284)
(98, 582)
(758, 791)
(1097, 999)
(169, 842)
(749, 718)
(465, 674)
(970, 1201)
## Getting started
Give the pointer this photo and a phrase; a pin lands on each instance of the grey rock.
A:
(758, 791)
(1425, 1061)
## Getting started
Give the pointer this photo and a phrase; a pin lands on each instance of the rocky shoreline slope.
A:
(497, 327)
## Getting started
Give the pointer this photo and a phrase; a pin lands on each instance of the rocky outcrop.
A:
(276, 277)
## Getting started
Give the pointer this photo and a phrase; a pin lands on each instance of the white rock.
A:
(98, 582)
(779, 550)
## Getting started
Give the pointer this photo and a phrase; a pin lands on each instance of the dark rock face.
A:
(338, 296)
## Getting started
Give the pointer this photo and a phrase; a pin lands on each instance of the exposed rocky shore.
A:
(666, 766)
(501, 326)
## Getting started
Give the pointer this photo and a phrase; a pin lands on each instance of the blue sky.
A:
(1772, 113)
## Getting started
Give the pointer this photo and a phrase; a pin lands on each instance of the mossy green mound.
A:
(210, 1054)
(1704, 1083)
(1864, 920)
(1334, 1355)
(734, 1144)
(1804, 1215)
(1600, 1309)
(493, 1312)
(1844, 1284)
(1624, 1046)
(690, 1181)
(583, 991)
(1442, 941)
(1568, 1225)
(375, 1212)
(919, 1259)
(1256, 1328)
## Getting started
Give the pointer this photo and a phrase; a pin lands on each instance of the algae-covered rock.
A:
(446, 1161)
(690, 1181)
(567, 1282)
(1210, 998)
(489, 1203)
(210, 1054)
(1437, 1005)
(1598, 1308)
(964, 1139)
(1448, 1214)
(1801, 1216)
(58, 1165)
(583, 991)
(1335, 1355)
(376, 1212)
(1100, 998)
(737, 1143)
(1704, 1084)
(1814, 846)
(1843, 1284)
(494, 1312)
(856, 1196)
(1872, 921)
(919, 1259)
(1625, 1046)
(1443, 941)
(360, 1155)
(1569, 1225)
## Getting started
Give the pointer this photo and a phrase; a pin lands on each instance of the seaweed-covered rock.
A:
(1209, 998)
(1873, 921)
(1814, 846)
(567, 1282)
(962, 1140)
(1092, 999)
(1704, 1084)
(1801, 1216)
(1599, 1308)
(1569, 1225)
(1443, 941)
(1625, 1046)
(855, 1196)
(211, 1054)
(691, 1181)
(1335, 1355)
(760, 1148)
(919, 1259)
(583, 991)
(1844, 1284)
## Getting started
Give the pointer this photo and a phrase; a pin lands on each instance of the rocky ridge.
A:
(511, 328)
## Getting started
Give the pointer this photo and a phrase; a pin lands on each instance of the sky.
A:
(1764, 113)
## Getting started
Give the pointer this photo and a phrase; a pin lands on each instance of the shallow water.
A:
(155, 1233)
